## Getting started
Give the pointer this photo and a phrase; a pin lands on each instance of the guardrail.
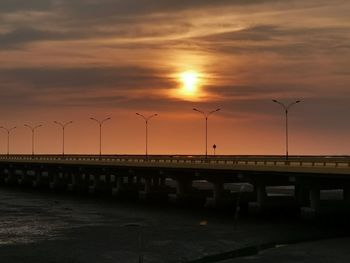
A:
(295, 161)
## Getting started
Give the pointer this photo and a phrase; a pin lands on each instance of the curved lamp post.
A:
(33, 128)
(100, 123)
(286, 108)
(206, 116)
(146, 119)
(63, 126)
(8, 138)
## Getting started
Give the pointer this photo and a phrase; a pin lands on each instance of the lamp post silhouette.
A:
(63, 126)
(206, 116)
(8, 138)
(286, 108)
(146, 119)
(33, 128)
(100, 123)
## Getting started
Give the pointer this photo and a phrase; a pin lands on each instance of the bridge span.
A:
(228, 180)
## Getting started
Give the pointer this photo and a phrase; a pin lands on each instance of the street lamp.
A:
(146, 119)
(100, 123)
(8, 138)
(63, 126)
(286, 108)
(33, 128)
(206, 116)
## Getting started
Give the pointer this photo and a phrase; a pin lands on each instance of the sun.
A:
(189, 86)
(190, 81)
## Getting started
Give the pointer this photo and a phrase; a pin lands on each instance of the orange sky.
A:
(72, 59)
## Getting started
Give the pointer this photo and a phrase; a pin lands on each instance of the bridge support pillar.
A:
(218, 190)
(73, 181)
(155, 181)
(119, 185)
(148, 185)
(114, 183)
(261, 194)
(315, 198)
(130, 179)
(37, 182)
(346, 193)
(125, 188)
(258, 205)
(301, 195)
(23, 178)
(10, 177)
(54, 180)
(219, 199)
(153, 191)
(182, 187)
(93, 182)
(83, 182)
(57, 180)
(186, 194)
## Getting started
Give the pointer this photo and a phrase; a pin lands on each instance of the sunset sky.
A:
(63, 60)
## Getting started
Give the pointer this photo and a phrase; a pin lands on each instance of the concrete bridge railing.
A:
(302, 161)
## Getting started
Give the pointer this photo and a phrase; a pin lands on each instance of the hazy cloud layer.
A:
(127, 54)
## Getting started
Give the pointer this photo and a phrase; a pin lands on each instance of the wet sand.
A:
(42, 227)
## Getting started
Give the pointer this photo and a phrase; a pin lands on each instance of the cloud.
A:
(85, 78)
(234, 92)
(279, 40)
(107, 8)
(8, 6)
(21, 36)
(89, 86)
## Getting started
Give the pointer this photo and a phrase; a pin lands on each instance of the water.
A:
(38, 227)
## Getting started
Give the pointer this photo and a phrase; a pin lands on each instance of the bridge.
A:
(216, 180)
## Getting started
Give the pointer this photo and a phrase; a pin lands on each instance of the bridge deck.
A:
(307, 164)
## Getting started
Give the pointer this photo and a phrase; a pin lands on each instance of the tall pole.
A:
(146, 138)
(100, 123)
(206, 116)
(287, 137)
(63, 126)
(206, 136)
(146, 119)
(33, 128)
(286, 108)
(8, 138)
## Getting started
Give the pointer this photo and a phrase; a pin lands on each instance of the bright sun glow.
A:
(190, 82)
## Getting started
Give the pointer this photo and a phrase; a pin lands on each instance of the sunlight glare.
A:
(190, 82)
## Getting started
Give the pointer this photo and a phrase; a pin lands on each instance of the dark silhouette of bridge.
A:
(178, 177)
